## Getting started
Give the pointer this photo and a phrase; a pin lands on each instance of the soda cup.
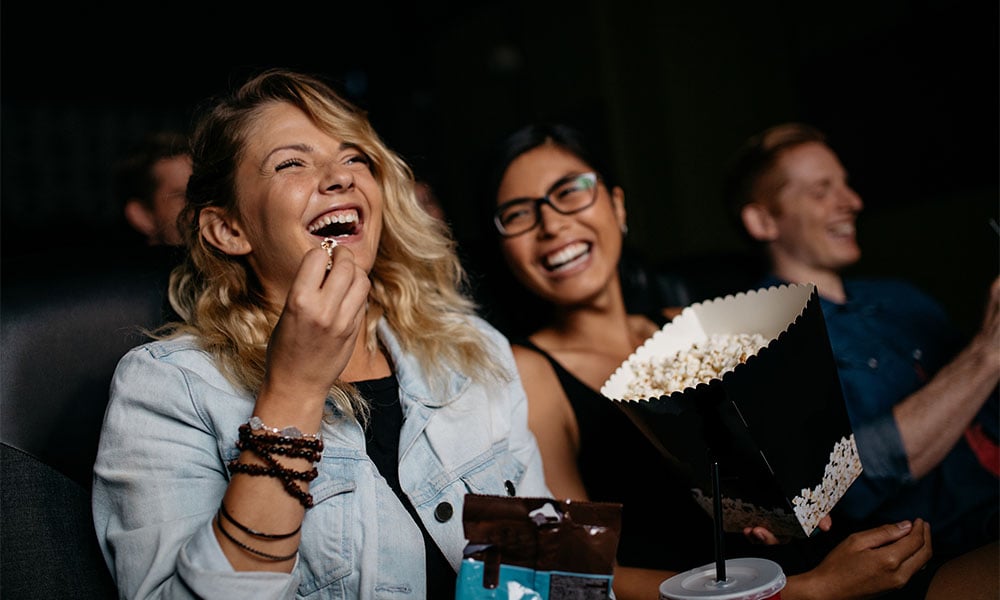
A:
(746, 579)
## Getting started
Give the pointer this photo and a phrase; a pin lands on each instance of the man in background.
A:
(151, 182)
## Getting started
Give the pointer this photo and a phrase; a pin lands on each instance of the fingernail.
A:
(904, 525)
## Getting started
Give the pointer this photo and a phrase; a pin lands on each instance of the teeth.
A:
(566, 255)
(843, 229)
(342, 217)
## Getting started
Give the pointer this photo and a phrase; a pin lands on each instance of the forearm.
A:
(933, 419)
(258, 525)
(631, 583)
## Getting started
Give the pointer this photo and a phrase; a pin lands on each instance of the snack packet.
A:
(537, 549)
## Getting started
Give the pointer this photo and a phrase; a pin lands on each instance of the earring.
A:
(624, 228)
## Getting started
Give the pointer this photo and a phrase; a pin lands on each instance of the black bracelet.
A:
(254, 532)
(271, 557)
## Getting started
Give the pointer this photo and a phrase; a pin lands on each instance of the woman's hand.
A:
(764, 536)
(867, 563)
(324, 314)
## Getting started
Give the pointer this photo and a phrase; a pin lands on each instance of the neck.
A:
(829, 283)
(366, 364)
(600, 324)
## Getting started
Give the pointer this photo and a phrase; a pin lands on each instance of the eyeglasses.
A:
(569, 195)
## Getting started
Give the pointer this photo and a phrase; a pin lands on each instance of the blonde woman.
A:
(312, 425)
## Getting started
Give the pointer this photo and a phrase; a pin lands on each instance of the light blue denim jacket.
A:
(171, 426)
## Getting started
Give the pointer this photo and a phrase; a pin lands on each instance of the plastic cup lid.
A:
(746, 579)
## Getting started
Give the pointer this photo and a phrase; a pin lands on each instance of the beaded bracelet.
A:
(246, 433)
(256, 437)
(256, 424)
(272, 470)
(263, 446)
(252, 550)
(254, 532)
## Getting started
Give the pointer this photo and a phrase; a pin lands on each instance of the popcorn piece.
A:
(703, 362)
(328, 244)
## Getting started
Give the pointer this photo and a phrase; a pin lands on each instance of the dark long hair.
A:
(502, 299)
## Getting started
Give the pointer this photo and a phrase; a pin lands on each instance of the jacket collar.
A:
(414, 383)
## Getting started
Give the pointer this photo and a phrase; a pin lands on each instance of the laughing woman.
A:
(560, 219)
(311, 427)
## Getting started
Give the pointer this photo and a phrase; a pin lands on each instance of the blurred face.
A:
(172, 176)
(566, 259)
(296, 185)
(815, 211)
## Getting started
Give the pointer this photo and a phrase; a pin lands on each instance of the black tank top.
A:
(662, 527)
(382, 443)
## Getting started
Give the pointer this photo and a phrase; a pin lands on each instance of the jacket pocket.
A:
(326, 554)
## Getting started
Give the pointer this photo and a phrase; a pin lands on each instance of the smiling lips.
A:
(338, 223)
(845, 229)
(566, 256)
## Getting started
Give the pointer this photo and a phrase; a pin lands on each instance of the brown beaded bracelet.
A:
(246, 432)
(252, 550)
(272, 470)
(254, 532)
(263, 447)
(286, 476)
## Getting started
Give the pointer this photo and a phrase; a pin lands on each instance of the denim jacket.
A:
(171, 427)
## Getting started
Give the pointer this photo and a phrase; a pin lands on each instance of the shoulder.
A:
(487, 329)
(181, 351)
(168, 363)
(530, 362)
(898, 292)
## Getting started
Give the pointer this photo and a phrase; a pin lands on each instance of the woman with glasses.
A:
(560, 219)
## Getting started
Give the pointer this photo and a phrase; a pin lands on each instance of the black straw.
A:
(720, 553)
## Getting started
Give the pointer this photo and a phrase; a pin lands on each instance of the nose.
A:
(550, 220)
(851, 199)
(337, 178)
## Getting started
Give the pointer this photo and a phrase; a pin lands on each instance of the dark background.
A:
(907, 91)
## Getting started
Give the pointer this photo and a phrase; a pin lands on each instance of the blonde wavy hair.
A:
(417, 280)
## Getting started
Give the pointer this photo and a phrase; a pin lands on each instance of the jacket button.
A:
(443, 512)
(509, 486)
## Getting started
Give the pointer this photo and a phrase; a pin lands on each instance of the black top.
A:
(382, 436)
(662, 527)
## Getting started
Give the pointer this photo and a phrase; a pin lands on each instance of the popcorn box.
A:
(774, 418)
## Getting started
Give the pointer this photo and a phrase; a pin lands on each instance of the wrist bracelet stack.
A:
(267, 441)
(269, 536)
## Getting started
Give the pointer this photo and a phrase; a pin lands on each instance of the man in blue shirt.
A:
(922, 406)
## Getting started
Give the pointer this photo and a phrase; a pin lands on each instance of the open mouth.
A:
(336, 224)
(566, 256)
(842, 230)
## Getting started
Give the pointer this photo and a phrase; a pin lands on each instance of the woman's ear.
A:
(759, 222)
(222, 231)
(618, 203)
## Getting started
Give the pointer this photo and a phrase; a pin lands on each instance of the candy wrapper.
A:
(537, 549)
(750, 381)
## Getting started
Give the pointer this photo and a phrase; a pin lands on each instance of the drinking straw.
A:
(720, 554)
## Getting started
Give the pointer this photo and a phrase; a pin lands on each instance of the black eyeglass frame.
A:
(536, 203)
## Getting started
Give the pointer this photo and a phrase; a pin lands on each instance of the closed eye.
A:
(291, 162)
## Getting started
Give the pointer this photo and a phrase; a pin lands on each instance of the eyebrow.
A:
(555, 184)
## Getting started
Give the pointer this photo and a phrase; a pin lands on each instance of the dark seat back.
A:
(63, 331)
(66, 321)
(49, 545)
